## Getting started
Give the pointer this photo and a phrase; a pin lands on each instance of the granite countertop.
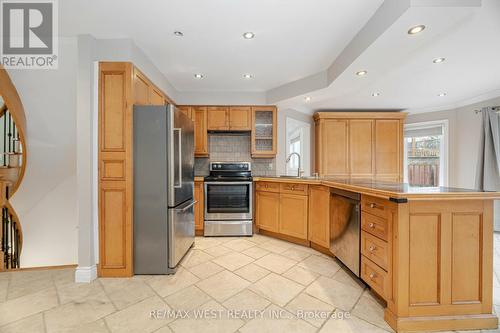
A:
(388, 189)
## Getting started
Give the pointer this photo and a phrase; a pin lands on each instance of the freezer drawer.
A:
(180, 231)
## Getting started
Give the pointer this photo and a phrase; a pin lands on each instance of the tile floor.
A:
(256, 284)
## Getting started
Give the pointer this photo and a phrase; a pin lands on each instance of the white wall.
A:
(46, 200)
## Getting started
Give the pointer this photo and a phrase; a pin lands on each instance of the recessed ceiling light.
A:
(438, 60)
(376, 94)
(247, 76)
(442, 94)
(361, 73)
(248, 35)
(178, 33)
(416, 29)
(198, 76)
(307, 98)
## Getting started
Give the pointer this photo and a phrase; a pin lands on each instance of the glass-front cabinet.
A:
(264, 131)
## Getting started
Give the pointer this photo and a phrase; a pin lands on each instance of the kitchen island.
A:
(427, 252)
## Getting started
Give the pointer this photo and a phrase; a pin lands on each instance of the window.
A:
(295, 148)
(426, 154)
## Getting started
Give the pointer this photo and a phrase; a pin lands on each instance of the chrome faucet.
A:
(299, 171)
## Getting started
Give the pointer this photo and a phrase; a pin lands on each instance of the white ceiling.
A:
(296, 39)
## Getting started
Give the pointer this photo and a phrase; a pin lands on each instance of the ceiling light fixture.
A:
(438, 60)
(376, 94)
(178, 33)
(248, 35)
(247, 76)
(307, 98)
(198, 76)
(416, 29)
(361, 73)
(442, 94)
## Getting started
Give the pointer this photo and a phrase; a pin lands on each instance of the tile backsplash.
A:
(233, 147)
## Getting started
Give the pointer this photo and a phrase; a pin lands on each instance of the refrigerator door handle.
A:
(183, 209)
(178, 182)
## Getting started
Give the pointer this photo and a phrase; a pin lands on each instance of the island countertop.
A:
(386, 189)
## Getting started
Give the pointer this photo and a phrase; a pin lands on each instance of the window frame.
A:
(444, 148)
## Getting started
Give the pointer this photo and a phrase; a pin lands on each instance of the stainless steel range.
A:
(229, 199)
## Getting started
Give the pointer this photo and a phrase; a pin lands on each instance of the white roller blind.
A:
(424, 131)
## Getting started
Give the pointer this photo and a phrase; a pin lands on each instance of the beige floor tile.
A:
(352, 324)
(275, 263)
(339, 295)
(189, 298)
(25, 285)
(3, 289)
(255, 252)
(137, 318)
(258, 239)
(202, 243)
(296, 254)
(25, 306)
(370, 309)
(206, 269)
(239, 245)
(287, 323)
(98, 326)
(166, 285)
(274, 246)
(246, 301)
(71, 315)
(126, 291)
(62, 276)
(31, 324)
(77, 292)
(218, 251)
(310, 309)
(300, 275)
(5, 276)
(320, 265)
(223, 285)
(195, 258)
(164, 329)
(252, 272)
(222, 323)
(233, 261)
(345, 276)
(277, 289)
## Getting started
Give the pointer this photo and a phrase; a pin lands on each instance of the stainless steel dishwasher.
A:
(345, 228)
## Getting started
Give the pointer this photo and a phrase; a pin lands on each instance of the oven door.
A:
(228, 201)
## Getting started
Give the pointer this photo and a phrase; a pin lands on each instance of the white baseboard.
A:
(86, 274)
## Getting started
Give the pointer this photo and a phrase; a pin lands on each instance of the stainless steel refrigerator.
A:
(163, 188)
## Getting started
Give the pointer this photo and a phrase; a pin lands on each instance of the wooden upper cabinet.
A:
(155, 97)
(264, 131)
(187, 110)
(360, 144)
(240, 118)
(218, 118)
(141, 89)
(200, 131)
(389, 149)
(334, 148)
(361, 148)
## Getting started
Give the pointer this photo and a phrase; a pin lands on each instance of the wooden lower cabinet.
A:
(267, 210)
(293, 215)
(199, 207)
(319, 215)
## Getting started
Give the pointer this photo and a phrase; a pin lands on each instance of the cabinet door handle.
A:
(372, 248)
(372, 275)
(371, 225)
(373, 205)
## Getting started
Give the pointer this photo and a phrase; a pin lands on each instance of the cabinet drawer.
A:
(374, 225)
(267, 187)
(375, 277)
(374, 249)
(375, 206)
(294, 188)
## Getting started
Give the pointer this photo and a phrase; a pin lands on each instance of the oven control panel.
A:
(230, 166)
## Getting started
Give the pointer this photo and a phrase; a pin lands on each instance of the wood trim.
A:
(360, 115)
